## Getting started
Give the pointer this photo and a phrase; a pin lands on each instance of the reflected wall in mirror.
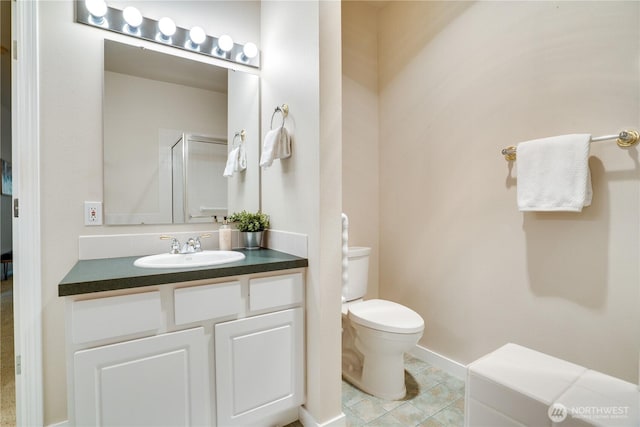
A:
(168, 124)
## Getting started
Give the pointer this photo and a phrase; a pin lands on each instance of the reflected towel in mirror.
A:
(236, 162)
(242, 158)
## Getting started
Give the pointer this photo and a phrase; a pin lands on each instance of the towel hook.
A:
(284, 110)
(242, 134)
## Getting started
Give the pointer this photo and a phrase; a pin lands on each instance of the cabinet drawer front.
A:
(197, 303)
(111, 317)
(276, 291)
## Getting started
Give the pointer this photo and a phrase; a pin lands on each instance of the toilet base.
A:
(380, 375)
(355, 380)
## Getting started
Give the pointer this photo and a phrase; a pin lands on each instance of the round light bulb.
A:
(225, 43)
(197, 35)
(132, 16)
(97, 8)
(250, 50)
(167, 27)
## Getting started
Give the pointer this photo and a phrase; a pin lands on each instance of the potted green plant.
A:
(251, 226)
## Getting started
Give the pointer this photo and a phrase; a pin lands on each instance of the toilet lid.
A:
(386, 316)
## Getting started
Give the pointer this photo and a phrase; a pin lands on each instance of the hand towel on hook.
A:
(553, 174)
(277, 145)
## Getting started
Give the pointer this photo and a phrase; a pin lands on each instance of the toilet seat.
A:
(386, 316)
(347, 305)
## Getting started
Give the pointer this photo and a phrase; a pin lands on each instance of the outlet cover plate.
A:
(92, 213)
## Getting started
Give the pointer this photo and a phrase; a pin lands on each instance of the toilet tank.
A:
(358, 273)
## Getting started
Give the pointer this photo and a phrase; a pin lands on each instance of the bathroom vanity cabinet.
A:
(221, 352)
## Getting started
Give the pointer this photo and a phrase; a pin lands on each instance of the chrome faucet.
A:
(175, 244)
(191, 246)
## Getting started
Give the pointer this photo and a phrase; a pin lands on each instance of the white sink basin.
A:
(196, 259)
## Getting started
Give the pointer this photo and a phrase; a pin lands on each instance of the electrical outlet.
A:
(92, 213)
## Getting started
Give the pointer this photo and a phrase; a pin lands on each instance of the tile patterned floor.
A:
(434, 399)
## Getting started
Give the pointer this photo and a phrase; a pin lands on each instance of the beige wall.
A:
(360, 151)
(458, 82)
(303, 193)
(71, 146)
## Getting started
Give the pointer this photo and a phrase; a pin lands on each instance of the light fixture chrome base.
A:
(148, 30)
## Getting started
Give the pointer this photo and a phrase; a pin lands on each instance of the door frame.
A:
(26, 227)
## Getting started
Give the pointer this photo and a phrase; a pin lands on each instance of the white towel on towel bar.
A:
(277, 145)
(553, 174)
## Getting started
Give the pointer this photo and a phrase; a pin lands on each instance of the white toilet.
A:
(375, 334)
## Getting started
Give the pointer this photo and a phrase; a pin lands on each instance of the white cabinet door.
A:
(259, 367)
(155, 381)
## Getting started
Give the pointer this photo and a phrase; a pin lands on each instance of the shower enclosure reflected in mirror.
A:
(167, 121)
(197, 164)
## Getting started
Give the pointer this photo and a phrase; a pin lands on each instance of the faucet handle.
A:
(198, 246)
(196, 241)
(175, 244)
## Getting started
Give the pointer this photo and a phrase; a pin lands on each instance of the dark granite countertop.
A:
(108, 274)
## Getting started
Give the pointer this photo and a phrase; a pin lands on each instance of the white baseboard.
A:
(307, 420)
(451, 367)
(60, 424)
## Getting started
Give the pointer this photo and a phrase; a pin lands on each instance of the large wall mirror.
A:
(168, 125)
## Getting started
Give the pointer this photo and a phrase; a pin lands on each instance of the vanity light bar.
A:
(114, 20)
